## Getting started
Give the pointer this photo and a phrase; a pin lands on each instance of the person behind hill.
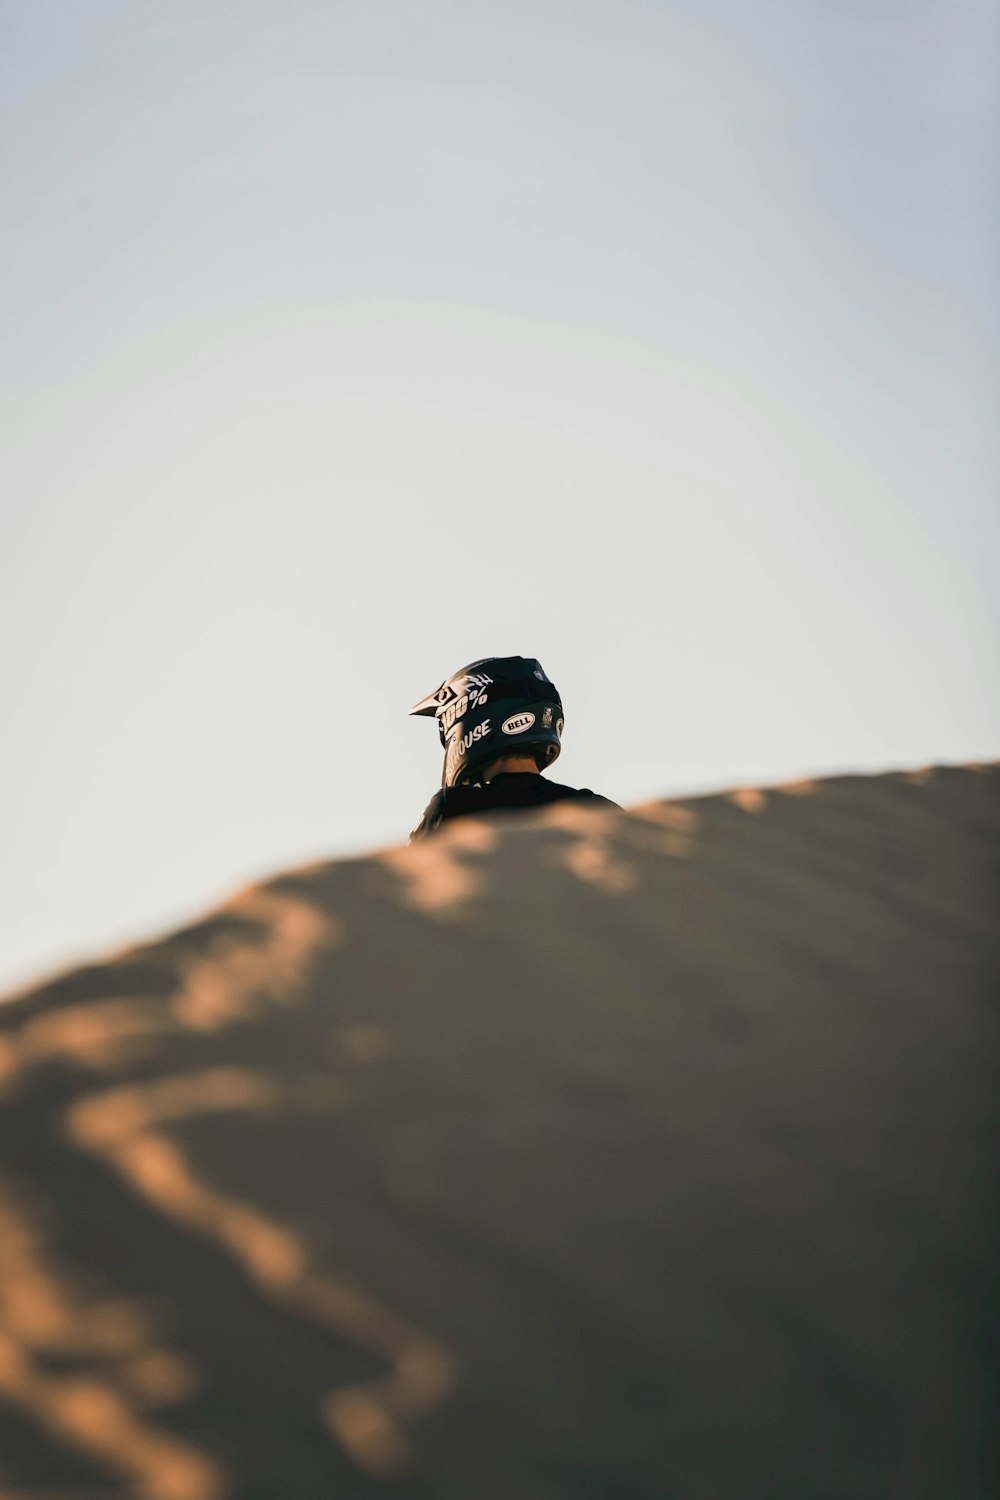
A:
(500, 721)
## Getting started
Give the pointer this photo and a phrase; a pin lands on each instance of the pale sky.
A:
(347, 342)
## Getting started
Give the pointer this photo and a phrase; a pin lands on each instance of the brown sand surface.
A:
(592, 1155)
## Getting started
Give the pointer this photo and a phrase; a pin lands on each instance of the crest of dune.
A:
(575, 1154)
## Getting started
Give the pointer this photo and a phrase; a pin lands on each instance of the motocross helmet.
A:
(499, 705)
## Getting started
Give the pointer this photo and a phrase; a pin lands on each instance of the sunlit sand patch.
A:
(227, 984)
(678, 825)
(42, 1312)
(576, 817)
(160, 1171)
(591, 860)
(471, 834)
(920, 775)
(102, 1119)
(160, 1378)
(367, 1419)
(589, 857)
(10, 1060)
(750, 798)
(224, 987)
(39, 1308)
(95, 1419)
(100, 1036)
(217, 990)
(802, 788)
(667, 815)
(435, 880)
(359, 1422)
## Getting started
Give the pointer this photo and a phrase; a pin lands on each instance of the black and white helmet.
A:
(500, 705)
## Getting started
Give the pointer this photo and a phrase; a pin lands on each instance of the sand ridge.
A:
(576, 1154)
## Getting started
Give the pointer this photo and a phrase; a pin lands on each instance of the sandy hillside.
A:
(605, 1156)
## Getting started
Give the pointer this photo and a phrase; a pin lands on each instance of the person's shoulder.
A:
(509, 792)
(597, 798)
(432, 816)
(448, 802)
(581, 793)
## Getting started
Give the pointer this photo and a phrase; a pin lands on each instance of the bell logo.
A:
(517, 723)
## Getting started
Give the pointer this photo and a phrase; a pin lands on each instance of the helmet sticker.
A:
(470, 683)
(517, 723)
(559, 725)
(467, 741)
(460, 745)
(474, 698)
(547, 718)
(460, 685)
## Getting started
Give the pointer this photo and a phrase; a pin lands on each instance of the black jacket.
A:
(511, 789)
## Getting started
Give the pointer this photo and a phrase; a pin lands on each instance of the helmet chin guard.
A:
(499, 705)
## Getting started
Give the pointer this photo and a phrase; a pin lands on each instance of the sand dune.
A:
(605, 1156)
